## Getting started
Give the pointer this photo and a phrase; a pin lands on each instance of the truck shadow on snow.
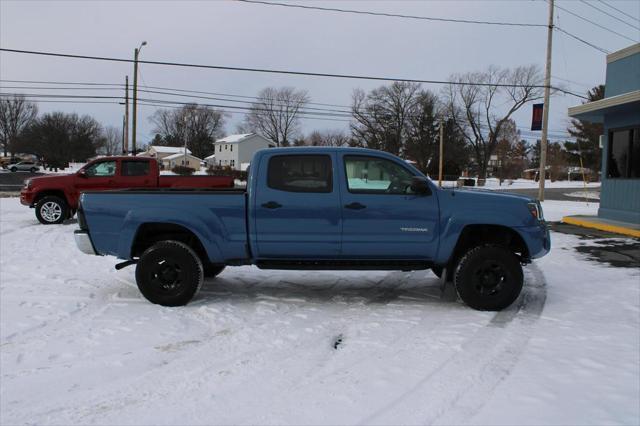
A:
(398, 287)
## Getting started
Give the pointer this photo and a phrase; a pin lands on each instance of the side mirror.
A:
(82, 173)
(420, 185)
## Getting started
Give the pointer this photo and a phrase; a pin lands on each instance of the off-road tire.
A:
(211, 270)
(488, 278)
(52, 210)
(169, 273)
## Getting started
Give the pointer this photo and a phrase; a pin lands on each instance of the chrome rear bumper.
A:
(83, 241)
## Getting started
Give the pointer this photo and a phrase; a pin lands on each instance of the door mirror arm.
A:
(420, 185)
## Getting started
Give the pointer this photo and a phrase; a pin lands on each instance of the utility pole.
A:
(441, 163)
(124, 132)
(545, 108)
(136, 52)
(125, 146)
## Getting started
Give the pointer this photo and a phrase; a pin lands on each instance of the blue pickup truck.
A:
(321, 209)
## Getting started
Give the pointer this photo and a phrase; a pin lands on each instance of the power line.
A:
(588, 86)
(235, 108)
(610, 15)
(605, 51)
(62, 82)
(275, 71)
(391, 15)
(618, 10)
(120, 86)
(595, 23)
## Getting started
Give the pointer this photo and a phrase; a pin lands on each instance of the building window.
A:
(624, 154)
(219, 148)
(233, 163)
(231, 148)
(226, 147)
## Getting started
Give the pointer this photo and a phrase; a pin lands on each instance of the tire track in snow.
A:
(458, 389)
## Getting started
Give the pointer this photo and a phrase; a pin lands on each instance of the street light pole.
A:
(136, 52)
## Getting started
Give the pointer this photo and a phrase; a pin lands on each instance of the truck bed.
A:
(216, 216)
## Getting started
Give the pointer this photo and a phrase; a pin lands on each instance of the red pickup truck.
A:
(55, 197)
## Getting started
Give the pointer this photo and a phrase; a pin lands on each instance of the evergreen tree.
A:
(587, 137)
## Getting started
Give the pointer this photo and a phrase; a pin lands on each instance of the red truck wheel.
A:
(169, 273)
(52, 210)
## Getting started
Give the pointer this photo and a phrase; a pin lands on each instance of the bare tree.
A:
(480, 111)
(16, 113)
(111, 141)
(328, 138)
(380, 117)
(276, 114)
(198, 125)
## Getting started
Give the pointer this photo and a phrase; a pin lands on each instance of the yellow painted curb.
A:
(601, 226)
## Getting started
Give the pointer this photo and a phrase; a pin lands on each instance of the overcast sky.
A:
(251, 35)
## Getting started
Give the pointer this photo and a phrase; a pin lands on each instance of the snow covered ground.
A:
(494, 183)
(79, 345)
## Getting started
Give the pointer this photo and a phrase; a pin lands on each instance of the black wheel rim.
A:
(490, 278)
(167, 276)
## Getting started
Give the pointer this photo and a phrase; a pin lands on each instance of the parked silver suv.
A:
(24, 166)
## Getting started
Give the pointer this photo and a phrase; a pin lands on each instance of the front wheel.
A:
(169, 273)
(14, 169)
(51, 210)
(489, 278)
(33, 170)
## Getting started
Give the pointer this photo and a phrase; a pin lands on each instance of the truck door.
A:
(297, 207)
(98, 176)
(382, 219)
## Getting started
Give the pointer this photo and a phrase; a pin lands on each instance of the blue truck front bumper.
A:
(537, 238)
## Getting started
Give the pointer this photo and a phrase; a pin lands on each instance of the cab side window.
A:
(300, 173)
(101, 169)
(372, 175)
(135, 168)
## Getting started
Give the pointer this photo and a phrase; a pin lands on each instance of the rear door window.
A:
(135, 168)
(300, 173)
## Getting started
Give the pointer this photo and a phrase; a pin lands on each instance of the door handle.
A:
(271, 205)
(355, 206)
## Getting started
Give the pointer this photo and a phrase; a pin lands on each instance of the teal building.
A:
(619, 112)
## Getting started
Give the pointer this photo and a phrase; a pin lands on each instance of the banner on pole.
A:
(536, 119)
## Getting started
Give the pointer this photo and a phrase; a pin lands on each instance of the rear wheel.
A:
(489, 278)
(33, 170)
(51, 210)
(169, 273)
(14, 169)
